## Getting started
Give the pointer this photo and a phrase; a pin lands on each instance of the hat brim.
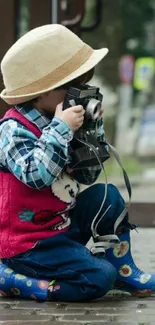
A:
(94, 59)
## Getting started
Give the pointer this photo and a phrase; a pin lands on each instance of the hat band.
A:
(57, 75)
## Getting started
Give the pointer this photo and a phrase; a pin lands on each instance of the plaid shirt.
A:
(38, 162)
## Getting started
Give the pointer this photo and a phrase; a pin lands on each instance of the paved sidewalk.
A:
(116, 310)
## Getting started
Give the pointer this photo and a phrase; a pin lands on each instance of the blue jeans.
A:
(79, 275)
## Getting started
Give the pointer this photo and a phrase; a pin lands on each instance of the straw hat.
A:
(43, 59)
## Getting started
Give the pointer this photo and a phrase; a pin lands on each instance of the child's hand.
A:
(73, 116)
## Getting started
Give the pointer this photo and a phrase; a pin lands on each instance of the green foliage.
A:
(23, 18)
(122, 20)
(136, 13)
(131, 164)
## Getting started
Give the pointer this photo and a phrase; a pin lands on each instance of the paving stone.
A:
(116, 312)
(30, 304)
(28, 323)
(111, 323)
(32, 323)
(21, 318)
(113, 303)
(101, 322)
(60, 312)
(84, 319)
(64, 323)
(14, 312)
(6, 301)
(3, 306)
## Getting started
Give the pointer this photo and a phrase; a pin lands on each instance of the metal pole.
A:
(54, 11)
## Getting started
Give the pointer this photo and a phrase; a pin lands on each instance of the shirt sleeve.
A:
(35, 162)
(88, 176)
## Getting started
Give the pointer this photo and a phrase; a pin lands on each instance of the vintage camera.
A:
(89, 152)
(87, 96)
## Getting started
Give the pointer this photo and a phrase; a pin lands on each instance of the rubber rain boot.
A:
(130, 278)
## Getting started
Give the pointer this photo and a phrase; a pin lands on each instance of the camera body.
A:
(87, 96)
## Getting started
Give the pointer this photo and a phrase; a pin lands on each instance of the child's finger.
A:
(59, 107)
(78, 108)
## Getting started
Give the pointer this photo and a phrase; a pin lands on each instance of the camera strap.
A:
(98, 244)
(127, 184)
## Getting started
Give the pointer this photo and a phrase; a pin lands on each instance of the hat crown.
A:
(37, 54)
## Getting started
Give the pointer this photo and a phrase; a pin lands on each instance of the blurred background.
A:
(126, 76)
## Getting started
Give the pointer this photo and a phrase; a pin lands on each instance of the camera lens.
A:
(93, 109)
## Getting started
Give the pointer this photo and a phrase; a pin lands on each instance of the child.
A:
(41, 236)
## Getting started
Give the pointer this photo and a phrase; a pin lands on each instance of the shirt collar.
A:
(34, 116)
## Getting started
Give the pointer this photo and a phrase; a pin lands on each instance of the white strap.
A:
(103, 243)
(128, 187)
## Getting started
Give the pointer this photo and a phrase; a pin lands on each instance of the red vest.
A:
(26, 214)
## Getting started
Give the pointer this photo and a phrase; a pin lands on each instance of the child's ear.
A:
(37, 99)
(45, 94)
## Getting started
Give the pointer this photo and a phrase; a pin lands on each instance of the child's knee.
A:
(104, 279)
(97, 191)
(114, 191)
(107, 277)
